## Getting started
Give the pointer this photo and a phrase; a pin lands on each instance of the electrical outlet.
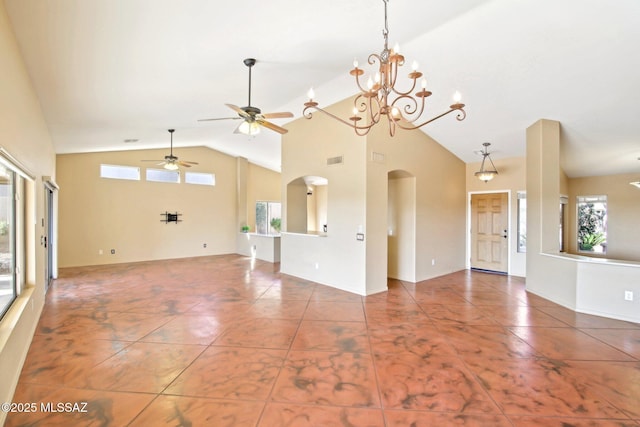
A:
(628, 295)
(204, 245)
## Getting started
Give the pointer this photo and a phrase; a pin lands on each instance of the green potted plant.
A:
(591, 240)
(276, 223)
(245, 228)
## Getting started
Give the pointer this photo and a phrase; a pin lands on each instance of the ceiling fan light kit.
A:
(170, 161)
(381, 98)
(252, 116)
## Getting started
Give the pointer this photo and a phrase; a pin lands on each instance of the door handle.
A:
(505, 234)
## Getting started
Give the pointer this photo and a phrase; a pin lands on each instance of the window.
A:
(563, 209)
(200, 178)
(592, 224)
(268, 216)
(12, 232)
(163, 175)
(120, 172)
(522, 222)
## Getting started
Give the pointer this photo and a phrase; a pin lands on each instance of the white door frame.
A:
(468, 229)
(50, 224)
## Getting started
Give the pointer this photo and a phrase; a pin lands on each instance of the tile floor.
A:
(222, 341)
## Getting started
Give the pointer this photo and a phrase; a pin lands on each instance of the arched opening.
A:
(307, 202)
(401, 226)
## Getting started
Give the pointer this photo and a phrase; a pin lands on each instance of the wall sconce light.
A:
(485, 174)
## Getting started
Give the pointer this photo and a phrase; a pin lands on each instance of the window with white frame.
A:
(12, 232)
(592, 224)
(120, 172)
(163, 175)
(522, 221)
(268, 217)
(200, 178)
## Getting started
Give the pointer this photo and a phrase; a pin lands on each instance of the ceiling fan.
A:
(252, 117)
(171, 162)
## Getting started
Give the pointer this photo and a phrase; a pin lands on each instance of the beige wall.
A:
(578, 282)
(511, 178)
(623, 211)
(98, 214)
(26, 138)
(439, 209)
(358, 198)
(305, 149)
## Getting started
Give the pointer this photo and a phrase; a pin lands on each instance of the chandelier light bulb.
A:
(395, 112)
(311, 94)
(355, 63)
(396, 48)
(414, 66)
(370, 83)
(424, 83)
(457, 97)
(377, 77)
(355, 111)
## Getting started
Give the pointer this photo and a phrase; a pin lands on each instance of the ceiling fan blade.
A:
(238, 110)
(272, 126)
(219, 118)
(191, 163)
(281, 115)
(156, 160)
(185, 164)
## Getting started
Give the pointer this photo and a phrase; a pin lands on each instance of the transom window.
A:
(120, 172)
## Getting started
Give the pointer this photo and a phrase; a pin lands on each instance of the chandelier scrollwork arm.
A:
(381, 96)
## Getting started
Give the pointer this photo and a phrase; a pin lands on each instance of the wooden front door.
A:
(489, 232)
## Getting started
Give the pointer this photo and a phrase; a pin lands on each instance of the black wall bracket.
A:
(168, 217)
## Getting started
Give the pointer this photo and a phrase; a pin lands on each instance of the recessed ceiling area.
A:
(110, 71)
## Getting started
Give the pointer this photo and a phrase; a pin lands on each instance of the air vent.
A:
(377, 157)
(335, 160)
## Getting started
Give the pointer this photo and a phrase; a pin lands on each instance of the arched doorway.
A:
(401, 226)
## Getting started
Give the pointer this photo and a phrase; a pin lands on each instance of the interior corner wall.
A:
(511, 178)
(27, 139)
(98, 214)
(551, 277)
(242, 191)
(336, 258)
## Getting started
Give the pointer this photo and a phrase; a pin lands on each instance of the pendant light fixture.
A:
(485, 174)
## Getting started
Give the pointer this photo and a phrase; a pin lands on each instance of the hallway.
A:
(226, 341)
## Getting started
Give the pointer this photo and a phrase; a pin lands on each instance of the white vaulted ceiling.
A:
(110, 70)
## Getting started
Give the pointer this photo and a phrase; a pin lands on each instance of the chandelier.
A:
(381, 98)
(485, 174)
